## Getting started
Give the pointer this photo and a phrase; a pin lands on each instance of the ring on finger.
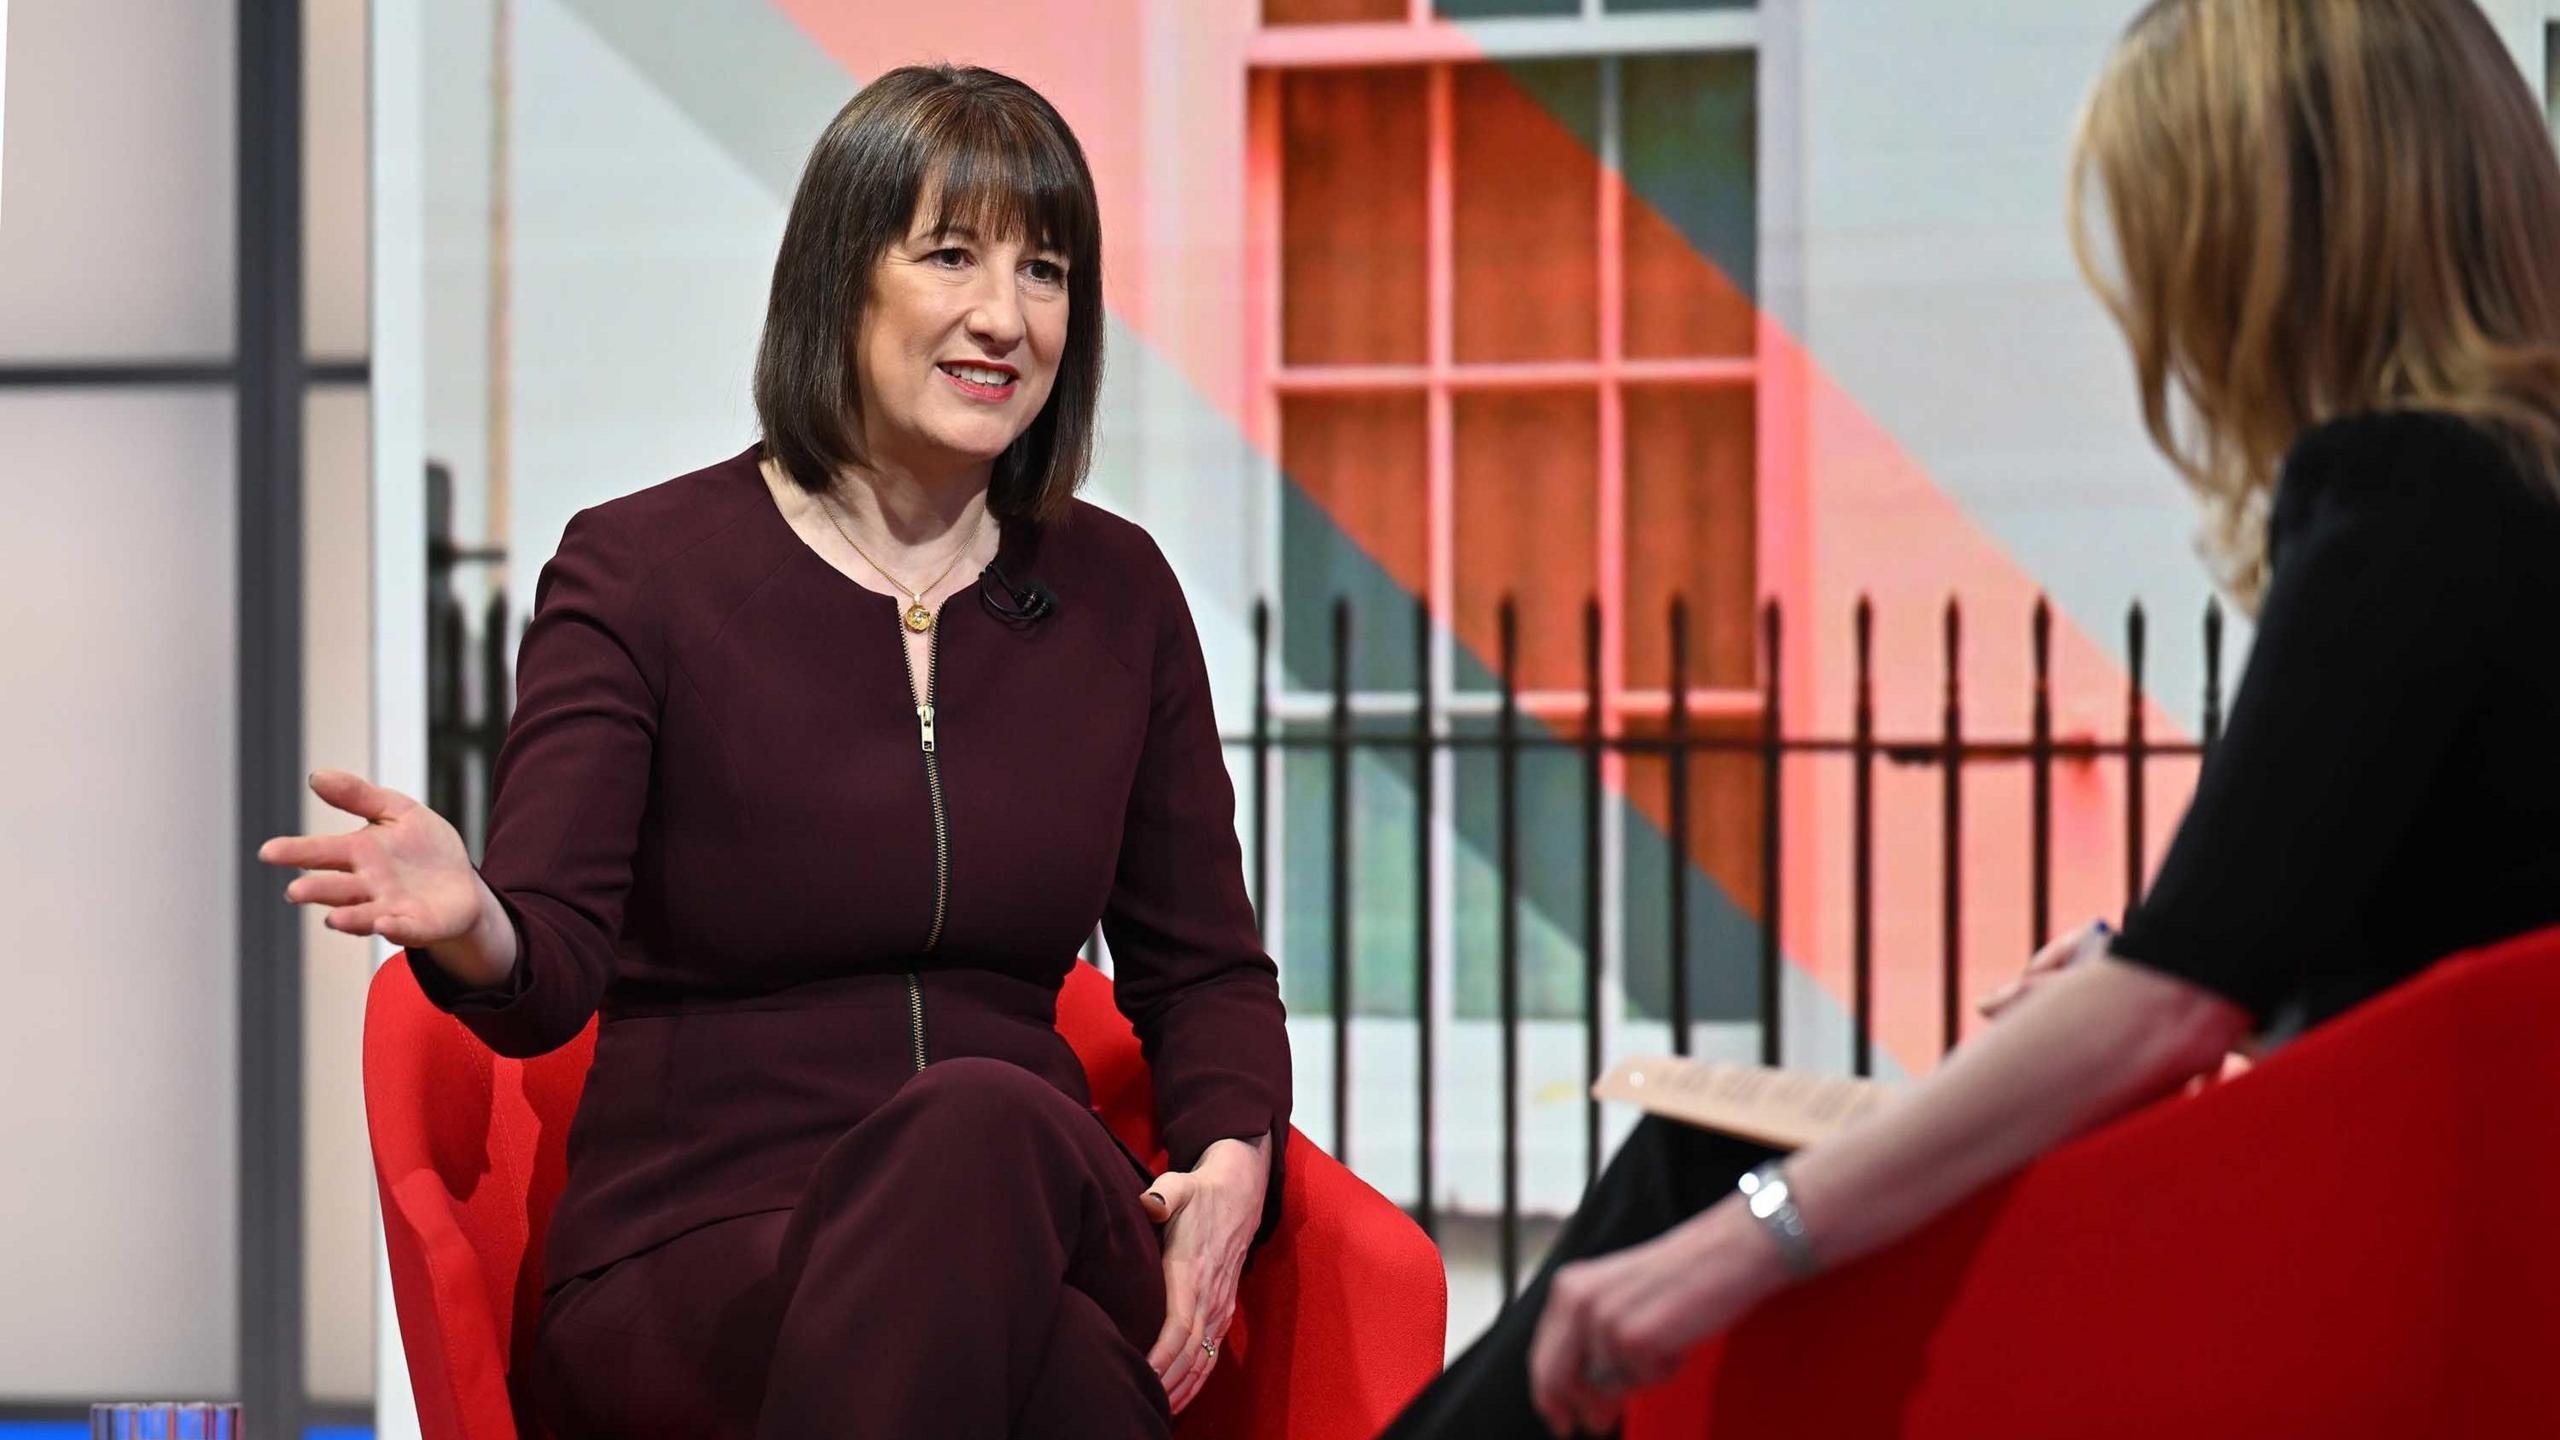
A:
(1209, 1348)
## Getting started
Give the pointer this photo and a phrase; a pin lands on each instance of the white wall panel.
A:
(333, 178)
(117, 1066)
(117, 239)
(337, 637)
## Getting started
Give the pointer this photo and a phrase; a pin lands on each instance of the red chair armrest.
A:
(2347, 1242)
(456, 1368)
(1349, 1313)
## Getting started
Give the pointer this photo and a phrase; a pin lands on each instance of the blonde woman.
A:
(2334, 251)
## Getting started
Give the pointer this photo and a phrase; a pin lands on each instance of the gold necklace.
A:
(917, 617)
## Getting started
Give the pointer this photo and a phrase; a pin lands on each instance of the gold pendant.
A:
(919, 619)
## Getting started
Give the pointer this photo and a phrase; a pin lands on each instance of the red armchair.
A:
(2354, 1240)
(1341, 1319)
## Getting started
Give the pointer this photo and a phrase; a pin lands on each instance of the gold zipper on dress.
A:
(941, 823)
(915, 1015)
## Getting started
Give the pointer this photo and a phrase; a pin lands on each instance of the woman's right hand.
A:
(406, 876)
(2057, 955)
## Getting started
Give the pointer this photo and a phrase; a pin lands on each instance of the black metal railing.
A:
(468, 669)
(469, 701)
(1952, 750)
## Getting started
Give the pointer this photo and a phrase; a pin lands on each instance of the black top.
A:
(2388, 789)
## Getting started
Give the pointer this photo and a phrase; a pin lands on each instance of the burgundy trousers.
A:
(970, 1261)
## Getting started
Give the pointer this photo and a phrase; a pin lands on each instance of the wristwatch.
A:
(1765, 1195)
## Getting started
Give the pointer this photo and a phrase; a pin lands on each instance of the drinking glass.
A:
(165, 1420)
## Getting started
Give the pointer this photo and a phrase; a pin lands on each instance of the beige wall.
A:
(337, 1205)
(118, 1219)
(116, 642)
(337, 1208)
(116, 1047)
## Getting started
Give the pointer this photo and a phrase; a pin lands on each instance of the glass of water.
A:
(165, 1420)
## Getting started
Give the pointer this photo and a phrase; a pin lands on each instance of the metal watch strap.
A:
(1767, 1199)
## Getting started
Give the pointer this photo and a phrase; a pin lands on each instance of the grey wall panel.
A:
(333, 178)
(1938, 289)
(337, 1165)
(118, 241)
(116, 1049)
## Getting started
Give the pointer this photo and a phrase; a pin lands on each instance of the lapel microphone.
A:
(1020, 606)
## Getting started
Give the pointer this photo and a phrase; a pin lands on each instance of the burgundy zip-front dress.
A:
(835, 1172)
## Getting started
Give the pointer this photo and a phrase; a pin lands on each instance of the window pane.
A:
(1351, 217)
(1351, 526)
(1722, 876)
(1692, 218)
(1528, 504)
(120, 245)
(1320, 12)
(1691, 531)
(116, 600)
(1526, 245)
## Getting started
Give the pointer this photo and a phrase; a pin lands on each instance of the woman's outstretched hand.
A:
(404, 876)
(1209, 1214)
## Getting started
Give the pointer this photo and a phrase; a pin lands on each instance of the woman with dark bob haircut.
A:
(825, 761)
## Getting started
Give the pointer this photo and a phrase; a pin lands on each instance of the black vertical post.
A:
(2040, 800)
(1951, 840)
(449, 729)
(444, 655)
(1677, 758)
(1261, 779)
(270, 755)
(1507, 844)
(2212, 672)
(1591, 884)
(1863, 859)
(2136, 751)
(1338, 898)
(496, 650)
(1772, 751)
(1424, 821)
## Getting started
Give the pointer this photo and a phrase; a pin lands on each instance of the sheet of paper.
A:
(1786, 1108)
